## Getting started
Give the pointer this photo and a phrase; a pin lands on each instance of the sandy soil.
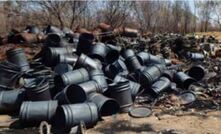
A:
(209, 123)
(198, 123)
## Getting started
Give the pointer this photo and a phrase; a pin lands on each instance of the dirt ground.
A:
(216, 34)
(198, 123)
(188, 124)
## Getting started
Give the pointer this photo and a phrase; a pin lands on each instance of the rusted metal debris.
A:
(104, 72)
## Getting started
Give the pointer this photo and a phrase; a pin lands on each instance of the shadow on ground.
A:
(18, 131)
(122, 126)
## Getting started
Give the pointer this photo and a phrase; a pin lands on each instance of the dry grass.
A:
(216, 34)
(29, 50)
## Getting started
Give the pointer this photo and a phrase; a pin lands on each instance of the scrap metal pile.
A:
(82, 77)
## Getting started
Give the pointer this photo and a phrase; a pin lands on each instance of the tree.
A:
(154, 16)
(146, 13)
(187, 16)
(176, 11)
(115, 13)
(217, 13)
(78, 8)
(205, 11)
